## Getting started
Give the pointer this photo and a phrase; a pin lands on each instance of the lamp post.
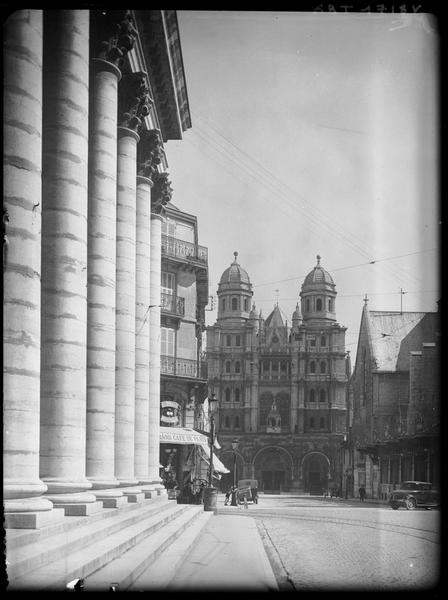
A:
(234, 448)
(212, 402)
(210, 492)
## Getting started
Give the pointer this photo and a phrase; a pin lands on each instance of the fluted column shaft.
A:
(125, 307)
(64, 255)
(22, 139)
(154, 350)
(101, 274)
(142, 316)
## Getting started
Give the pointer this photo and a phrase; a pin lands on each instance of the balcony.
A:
(172, 304)
(183, 367)
(184, 251)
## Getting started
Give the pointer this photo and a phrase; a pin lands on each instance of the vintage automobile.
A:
(415, 494)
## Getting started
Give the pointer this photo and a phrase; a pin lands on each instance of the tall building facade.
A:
(282, 387)
(395, 397)
(90, 98)
(184, 450)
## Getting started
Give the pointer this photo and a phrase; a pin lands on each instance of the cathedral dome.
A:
(235, 273)
(318, 275)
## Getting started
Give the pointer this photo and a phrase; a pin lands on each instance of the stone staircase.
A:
(137, 542)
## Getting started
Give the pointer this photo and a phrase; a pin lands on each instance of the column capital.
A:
(113, 35)
(134, 101)
(161, 192)
(149, 152)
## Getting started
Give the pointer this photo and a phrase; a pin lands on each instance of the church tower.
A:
(281, 384)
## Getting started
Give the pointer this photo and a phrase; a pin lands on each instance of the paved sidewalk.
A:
(229, 556)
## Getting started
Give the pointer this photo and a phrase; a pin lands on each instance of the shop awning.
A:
(181, 435)
(217, 464)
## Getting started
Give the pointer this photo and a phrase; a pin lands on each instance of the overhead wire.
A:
(261, 172)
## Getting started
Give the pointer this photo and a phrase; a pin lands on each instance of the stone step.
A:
(160, 573)
(96, 541)
(16, 538)
(133, 570)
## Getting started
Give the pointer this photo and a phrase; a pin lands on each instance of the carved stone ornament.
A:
(149, 152)
(161, 192)
(113, 35)
(134, 102)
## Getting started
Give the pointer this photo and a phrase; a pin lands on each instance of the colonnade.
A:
(82, 203)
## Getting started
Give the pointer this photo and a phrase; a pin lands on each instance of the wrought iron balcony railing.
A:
(171, 246)
(183, 367)
(171, 303)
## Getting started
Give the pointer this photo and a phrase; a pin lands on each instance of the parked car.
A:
(415, 494)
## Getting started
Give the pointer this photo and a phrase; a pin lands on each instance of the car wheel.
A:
(411, 503)
(394, 506)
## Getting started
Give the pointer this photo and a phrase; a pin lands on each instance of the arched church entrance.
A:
(315, 473)
(273, 470)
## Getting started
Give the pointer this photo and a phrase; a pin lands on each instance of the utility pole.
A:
(401, 300)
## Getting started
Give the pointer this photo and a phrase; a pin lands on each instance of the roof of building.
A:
(394, 334)
(235, 273)
(318, 275)
(277, 318)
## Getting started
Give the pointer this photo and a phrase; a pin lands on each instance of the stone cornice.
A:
(161, 53)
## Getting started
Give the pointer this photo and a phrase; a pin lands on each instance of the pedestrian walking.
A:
(234, 499)
(226, 501)
(362, 493)
(246, 505)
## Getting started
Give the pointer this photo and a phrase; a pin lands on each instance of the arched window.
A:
(330, 305)
(227, 366)
(322, 423)
(237, 366)
(308, 306)
(311, 422)
(246, 304)
(228, 340)
(227, 394)
(319, 304)
(223, 304)
(322, 396)
(234, 303)
(323, 340)
(238, 340)
(312, 395)
(323, 367)
(312, 367)
(227, 423)
(237, 422)
(237, 395)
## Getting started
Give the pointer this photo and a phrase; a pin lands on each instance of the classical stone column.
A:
(133, 98)
(148, 157)
(64, 260)
(107, 31)
(22, 170)
(161, 194)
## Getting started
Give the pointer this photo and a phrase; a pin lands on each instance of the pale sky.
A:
(314, 134)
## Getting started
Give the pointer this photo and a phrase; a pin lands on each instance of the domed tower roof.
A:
(297, 314)
(253, 313)
(234, 274)
(317, 276)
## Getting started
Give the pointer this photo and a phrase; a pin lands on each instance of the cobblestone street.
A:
(315, 544)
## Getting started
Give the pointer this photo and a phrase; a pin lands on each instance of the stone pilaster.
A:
(64, 260)
(161, 194)
(22, 171)
(100, 442)
(132, 108)
(148, 157)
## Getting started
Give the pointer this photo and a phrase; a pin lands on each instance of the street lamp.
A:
(234, 448)
(210, 493)
(212, 403)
